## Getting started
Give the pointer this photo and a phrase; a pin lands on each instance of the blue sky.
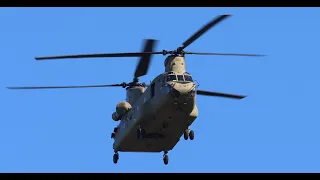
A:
(275, 129)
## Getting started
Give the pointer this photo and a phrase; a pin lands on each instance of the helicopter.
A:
(155, 116)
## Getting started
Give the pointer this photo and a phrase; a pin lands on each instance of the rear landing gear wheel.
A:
(191, 135)
(115, 158)
(186, 134)
(165, 159)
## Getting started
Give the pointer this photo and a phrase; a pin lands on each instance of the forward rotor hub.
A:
(179, 51)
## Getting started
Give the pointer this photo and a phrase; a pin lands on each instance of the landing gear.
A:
(115, 158)
(188, 134)
(113, 134)
(165, 158)
(191, 135)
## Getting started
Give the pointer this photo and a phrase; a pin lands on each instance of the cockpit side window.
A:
(171, 78)
(180, 77)
(188, 78)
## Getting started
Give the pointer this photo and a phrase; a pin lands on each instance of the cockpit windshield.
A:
(171, 78)
(188, 78)
(180, 77)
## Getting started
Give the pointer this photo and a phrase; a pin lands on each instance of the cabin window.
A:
(152, 90)
(171, 78)
(188, 78)
(180, 77)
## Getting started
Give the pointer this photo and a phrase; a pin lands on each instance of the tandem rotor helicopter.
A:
(155, 116)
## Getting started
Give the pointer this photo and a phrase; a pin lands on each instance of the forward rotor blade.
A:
(134, 54)
(200, 32)
(224, 54)
(60, 87)
(143, 65)
(218, 94)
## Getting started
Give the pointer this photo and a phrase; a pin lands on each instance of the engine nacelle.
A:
(121, 109)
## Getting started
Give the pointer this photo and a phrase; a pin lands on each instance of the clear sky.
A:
(275, 129)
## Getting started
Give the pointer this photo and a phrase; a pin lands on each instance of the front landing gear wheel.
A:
(115, 158)
(165, 159)
(191, 135)
(186, 134)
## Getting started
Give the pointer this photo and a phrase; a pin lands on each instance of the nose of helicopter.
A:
(181, 90)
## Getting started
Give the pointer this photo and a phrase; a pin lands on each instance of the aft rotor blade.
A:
(218, 94)
(61, 87)
(143, 65)
(133, 54)
(224, 54)
(200, 32)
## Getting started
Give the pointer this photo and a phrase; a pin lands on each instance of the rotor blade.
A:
(143, 65)
(134, 54)
(60, 87)
(217, 94)
(223, 54)
(203, 30)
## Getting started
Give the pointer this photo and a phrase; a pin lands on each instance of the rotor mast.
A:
(175, 63)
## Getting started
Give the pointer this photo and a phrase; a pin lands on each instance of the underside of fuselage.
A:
(161, 129)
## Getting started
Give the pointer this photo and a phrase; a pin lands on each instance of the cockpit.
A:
(179, 78)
